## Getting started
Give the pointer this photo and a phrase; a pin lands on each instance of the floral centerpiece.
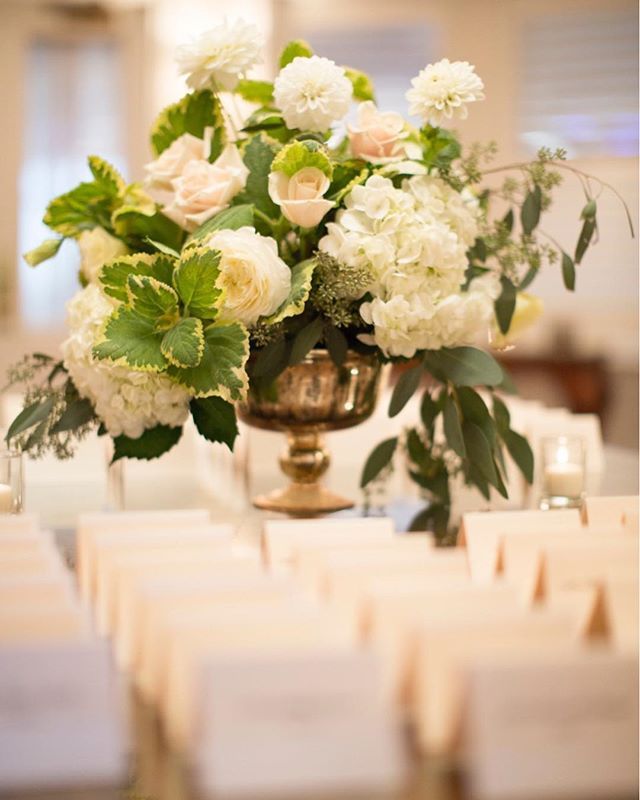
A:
(251, 242)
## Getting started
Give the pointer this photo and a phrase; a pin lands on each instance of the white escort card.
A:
(90, 524)
(279, 727)
(280, 537)
(282, 632)
(553, 725)
(620, 608)
(166, 604)
(33, 623)
(398, 613)
(19, 523)
(446, 650)
(39, 591)
(481, 534)
(60, 717)
(612, 512)
(190, 568)
(309, 561)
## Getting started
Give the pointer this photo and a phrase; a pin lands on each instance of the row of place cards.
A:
(61, 711)
(297, 666)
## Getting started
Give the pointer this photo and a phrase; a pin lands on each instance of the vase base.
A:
(302, 500)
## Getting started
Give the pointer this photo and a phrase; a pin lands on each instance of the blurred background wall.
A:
(84, 77)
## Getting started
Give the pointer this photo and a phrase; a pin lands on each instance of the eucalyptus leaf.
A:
(379, 458)
(76, 414)
(568, 272)
(464, 366)
(479, 452)
(521, 452)
(505, 305)
(530, 211)
(305, 340)
(584, 240)
(452, 427)
(337, 344)
(271, 359)
(31, 415)
(404, 389)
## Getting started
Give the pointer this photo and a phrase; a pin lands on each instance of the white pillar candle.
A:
(6, 499)
(564, 480)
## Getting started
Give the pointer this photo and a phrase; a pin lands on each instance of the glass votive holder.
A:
(563, 472)
(11, 482)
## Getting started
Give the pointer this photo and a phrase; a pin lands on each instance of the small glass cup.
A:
(563, 472)
(11, 482)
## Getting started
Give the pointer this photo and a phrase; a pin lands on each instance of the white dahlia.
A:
(312, 93)
(126, 401)
(441, 91)
(219, 57)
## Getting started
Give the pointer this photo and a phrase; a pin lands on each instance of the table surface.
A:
(159, 774)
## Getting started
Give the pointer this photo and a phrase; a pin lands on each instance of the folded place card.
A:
(120, 563)
(481, 534)
(602, 512)
(553, 725)
(280, 537)
(620, 608)
(19, 523)
(279, 631)
(45, 561)
(89, 524)
(345, 582)
(126, 623)
(397, 616)
(597, 559)
(446, 650)
(164, 605)
(36, 591)
(585, 605)
(289, 726)
(309, 561)
(27, 541)
(37, 624)
(61, 724)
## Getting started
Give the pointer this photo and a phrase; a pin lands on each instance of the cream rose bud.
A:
(204, 189)
(300, 197)
(172, 161)
(96, 248)
(253, 277)
(377, 136)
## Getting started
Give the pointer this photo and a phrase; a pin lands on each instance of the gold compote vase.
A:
(306, 400)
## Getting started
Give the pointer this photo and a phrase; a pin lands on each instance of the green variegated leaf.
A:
(255, 91)
(114, 275)
(362, 84)
(297, 48)
(153, 300)
(258, 157)
(192, 114)
(106, 176)
(134, 200)
(131, 340)
(301, 277)
(81, 209)
(297, 155)
(43, 252)
(183, 345)
(230, 219)
(221, 371)
(195, 281)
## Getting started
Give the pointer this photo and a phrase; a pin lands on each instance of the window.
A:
(580, 83)
(73, 108)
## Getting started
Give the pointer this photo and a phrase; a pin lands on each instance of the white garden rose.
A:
(441, 91)
(380, 137)
(204, 189)
(219, 57)
(126, 401)
(255, 280)
(300, 196)
(312, 93)
(96, 248)
(171, 162)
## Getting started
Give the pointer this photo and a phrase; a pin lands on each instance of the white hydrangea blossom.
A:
(312, 93)
(219, 57)
(128, 402)
(441, 91)
(413, 240)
